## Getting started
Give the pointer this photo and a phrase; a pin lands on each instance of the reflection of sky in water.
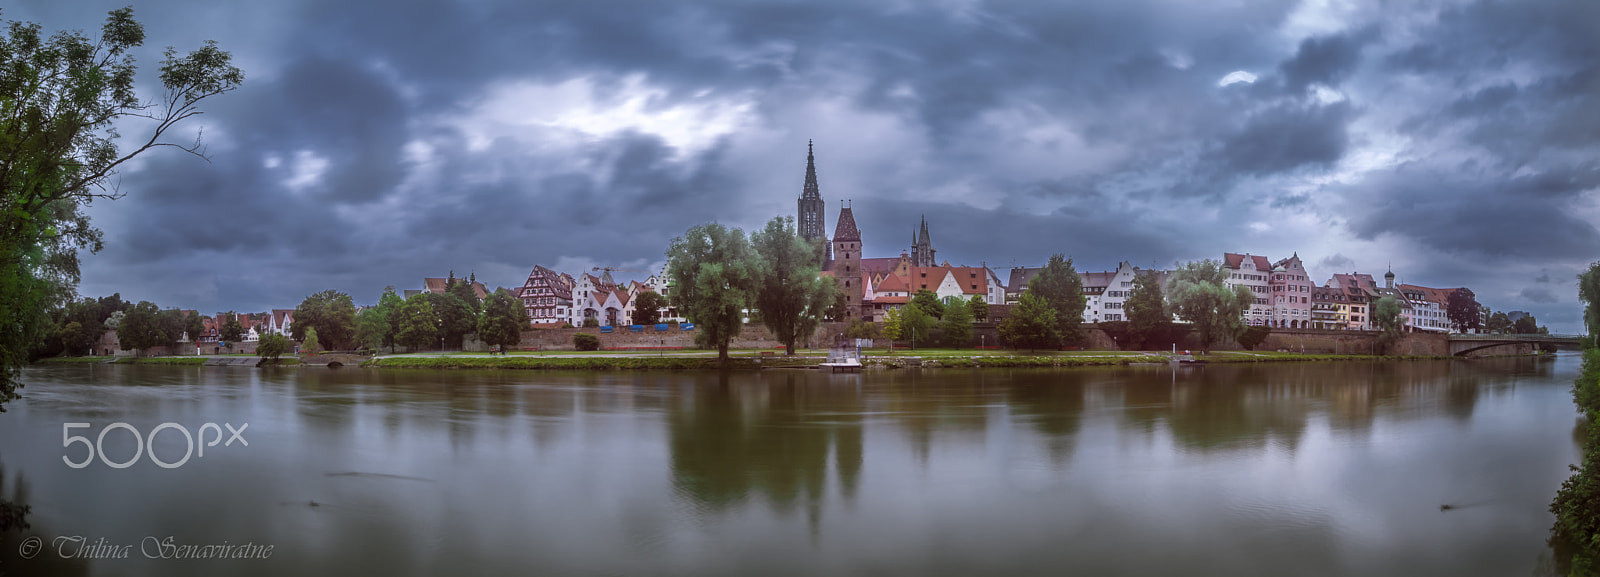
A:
(1321, 469)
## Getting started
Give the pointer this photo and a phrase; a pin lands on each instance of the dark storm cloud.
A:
(1538, 295)
(375, 143)
(1326, 60)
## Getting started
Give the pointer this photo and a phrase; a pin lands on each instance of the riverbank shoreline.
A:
(754, 360)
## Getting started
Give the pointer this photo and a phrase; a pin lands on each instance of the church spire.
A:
(811, 191)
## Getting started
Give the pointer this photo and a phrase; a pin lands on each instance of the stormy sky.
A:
(375, 143)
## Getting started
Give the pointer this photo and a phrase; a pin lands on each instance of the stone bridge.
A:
(1473, 345)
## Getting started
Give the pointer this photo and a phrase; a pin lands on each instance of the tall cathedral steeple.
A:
(922, 251)
(810, 221)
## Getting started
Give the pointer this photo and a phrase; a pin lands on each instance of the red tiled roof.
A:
(892, 283)
(880, 265)
(891, 300)
(1436, 295)
(1234, 261)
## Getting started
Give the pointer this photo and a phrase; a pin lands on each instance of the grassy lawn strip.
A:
(70, 360)
(161, 361)
(579, 363)
(1236, 357)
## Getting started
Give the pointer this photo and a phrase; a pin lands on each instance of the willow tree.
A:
(62, 100)
(790, 294)
(714, 279)
(1197, 292)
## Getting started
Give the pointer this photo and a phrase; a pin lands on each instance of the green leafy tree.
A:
(1251, 337)
(72, 337)
(957, 324)
(232, 330)
(389, 309)
(916, 325)
(792, 297)
(454, 319)
(1386, 316)
(585, 342)
(1463, 310)
(503, 320)
(462, 289)
(171, 324)
(1196, 292)
(929, 303)
(194, 325)
(892, 325)
(591, 323)
(1589, 293)
(1499, 323)
(418, 328)
(371, 327)
(647, 307)
(1526, 326)
(714, 277)
(141, 327)
(1146, 310)
(311, 344)
(62, 97)
(1031, 324)
(332, 313)
(272, 346)
(860, 329)
(1062, 290)
(979, 308)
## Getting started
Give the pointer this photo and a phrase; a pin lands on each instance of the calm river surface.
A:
(1288, 469)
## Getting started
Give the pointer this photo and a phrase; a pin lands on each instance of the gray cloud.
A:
(377, 143)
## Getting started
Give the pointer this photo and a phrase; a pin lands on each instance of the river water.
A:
(1280, 469)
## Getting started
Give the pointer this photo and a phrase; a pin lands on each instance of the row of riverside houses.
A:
(281, 321)
(1286, 296)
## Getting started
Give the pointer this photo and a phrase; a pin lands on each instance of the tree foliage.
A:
(1526, 326)
(62, 97)
(311, 344)
(714, 278)
(892, 324)
(1197, 293)
(463, 289)
(1463, 310)
(1146, 310)
(231, 331)
(272, 346)
(916, 325)
(332, 314)
(1032, 324)
(416, 320)
(957, 324)
(928, 302)
(1499, 323)
(979, 308)
(1062, 290)
(371, 326)
(647, 307)
(860, 329)
(585, 342)
(1387, 318)
(454, 319)
(792, 297)
(503, 320)
(1251, 337)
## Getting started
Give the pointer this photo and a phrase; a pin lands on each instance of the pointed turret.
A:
(846, 230)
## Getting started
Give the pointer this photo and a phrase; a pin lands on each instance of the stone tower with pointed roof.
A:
(811, 222)
(922, 251)
(847, 262)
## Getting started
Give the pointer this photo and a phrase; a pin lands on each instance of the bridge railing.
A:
(1515, 337)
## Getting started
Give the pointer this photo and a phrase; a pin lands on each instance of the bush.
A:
(272, 346)
(590, 323)
(1252, 337)
(586, 342)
